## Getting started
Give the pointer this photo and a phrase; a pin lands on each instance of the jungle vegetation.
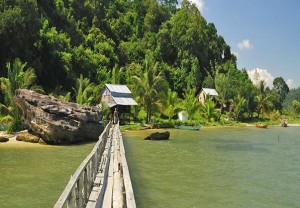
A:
(163, 53)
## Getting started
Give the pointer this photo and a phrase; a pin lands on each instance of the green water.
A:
(216, 167)
(33, 175)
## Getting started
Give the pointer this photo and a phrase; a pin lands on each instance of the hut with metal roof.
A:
(205, 92)
(118, 97)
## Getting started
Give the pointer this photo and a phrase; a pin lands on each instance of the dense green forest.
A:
(165, 54)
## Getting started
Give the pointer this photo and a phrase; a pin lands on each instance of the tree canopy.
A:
(75, 46)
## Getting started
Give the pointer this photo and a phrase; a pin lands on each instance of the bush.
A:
(16, 126)
(164, 123)
(130, 127)
(142, 115)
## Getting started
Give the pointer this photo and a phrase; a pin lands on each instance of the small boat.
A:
(261, 125)
(193, 128)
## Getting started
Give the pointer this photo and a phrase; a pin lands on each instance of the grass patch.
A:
(131, 127)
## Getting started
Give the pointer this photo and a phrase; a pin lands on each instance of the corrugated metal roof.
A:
(124, 101)
(210, 91)
(120, 94)
(118, 88)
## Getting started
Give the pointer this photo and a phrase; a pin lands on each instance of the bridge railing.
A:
(77, 191)
(130, 200)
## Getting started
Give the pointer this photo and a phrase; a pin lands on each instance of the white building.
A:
(206, 91)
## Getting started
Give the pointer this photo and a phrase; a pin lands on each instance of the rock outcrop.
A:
(58, 122)
(4, 139)
(158, 136)
(27, 137)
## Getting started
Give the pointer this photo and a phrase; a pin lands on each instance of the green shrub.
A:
(130, 127)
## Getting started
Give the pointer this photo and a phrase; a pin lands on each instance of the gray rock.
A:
(58, 122)
(158, 136)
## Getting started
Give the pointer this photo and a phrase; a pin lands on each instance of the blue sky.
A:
(264, 34)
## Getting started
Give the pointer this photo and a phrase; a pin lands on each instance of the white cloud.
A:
(291, 83)
(245, 45)
(258, 74)
(199, 3)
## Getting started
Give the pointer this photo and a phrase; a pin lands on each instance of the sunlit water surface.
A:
(34, 175)
(216, 167)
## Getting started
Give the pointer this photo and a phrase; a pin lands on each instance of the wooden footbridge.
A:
(102, 179)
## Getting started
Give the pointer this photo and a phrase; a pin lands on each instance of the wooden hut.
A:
(205, 92)
(118, 97)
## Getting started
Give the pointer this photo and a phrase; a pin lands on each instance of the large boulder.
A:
(58, 122)
(159, 136)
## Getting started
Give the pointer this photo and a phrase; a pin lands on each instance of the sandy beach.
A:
(12, 139)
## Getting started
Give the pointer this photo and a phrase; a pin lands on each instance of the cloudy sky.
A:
(264, 35)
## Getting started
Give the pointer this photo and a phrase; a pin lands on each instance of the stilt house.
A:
(118, 97)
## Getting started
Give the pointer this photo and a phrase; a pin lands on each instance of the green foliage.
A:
(106, 112)
(130, 127)
(172, 105)
(280, 87)
(294, 94)
(209, 111)
(76, 43)
(295, 107)
(190, 102)
(150, 87)
(83, 91)
(18, 78)
(238, 106)
(142, 115)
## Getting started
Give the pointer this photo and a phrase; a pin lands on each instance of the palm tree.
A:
(172, 104)
(149, 88)
(208, 109)
(238, 104)
(263, 103)
(84, 91)
(262, 100)
(17, 78)
(190, 102)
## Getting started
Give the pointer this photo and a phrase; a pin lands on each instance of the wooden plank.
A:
(118, 180)
(97, 196)
(71, 184)
(107, 202)
(130, 200)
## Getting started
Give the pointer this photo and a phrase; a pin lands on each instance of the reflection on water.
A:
(34, 175)
(216, 167)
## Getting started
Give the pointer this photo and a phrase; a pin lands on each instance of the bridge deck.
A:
(107, 179)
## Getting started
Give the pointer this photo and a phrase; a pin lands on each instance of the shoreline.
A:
(13, 140)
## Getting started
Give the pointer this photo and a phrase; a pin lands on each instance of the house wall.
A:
(201, 97)
(106, 96)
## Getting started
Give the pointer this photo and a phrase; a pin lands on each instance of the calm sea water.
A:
(34, 175)
(216, 167)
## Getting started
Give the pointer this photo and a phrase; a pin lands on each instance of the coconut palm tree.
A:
(17, 78)
(190, 102)
(173, 104)
(238, 104)
(262, 100)
(84, 91)
(263, 103)
(150, 88)
(208, 109)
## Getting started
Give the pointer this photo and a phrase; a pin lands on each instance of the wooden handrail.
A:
(76, 193)
(102, 179)
(130, 200)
